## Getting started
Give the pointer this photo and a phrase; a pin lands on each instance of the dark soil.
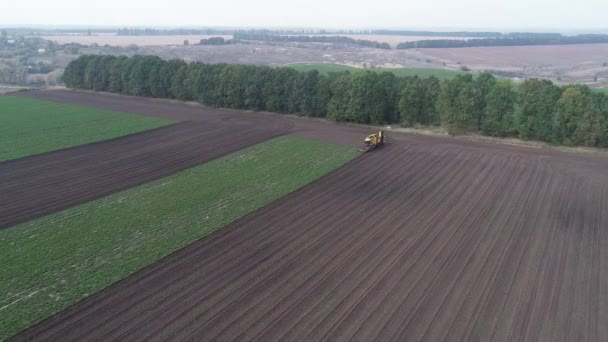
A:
(424, 239)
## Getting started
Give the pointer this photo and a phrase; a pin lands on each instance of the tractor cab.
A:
(373, 140)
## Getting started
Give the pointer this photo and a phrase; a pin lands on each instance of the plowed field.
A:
(426, 239)
(42, 184)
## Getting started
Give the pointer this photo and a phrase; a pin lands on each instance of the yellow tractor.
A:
(373, 140)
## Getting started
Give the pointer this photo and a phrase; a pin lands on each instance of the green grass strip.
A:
(421, 72)
(57, 260)
(30, 127)
(601, 90)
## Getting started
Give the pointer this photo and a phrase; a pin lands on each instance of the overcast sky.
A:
(472, 14)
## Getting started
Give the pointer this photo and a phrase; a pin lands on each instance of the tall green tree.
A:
(102, 81)
(500, 109)
(154, 83)
(309, 85)
(537, 100)
(297, 94)
(322, 95)
(338, 106)
(431, 90)
(367, 99)
(207, 88)
(418, 101)
(592, 129)
(392, 92)
(254, 94)
(136, 84)
(601, 101)
(116, 71)
(568, 110)
(192, 80)
(73, 76)
(179, 89)
(278, 90)
(91, 72)
(165, 76)
(410, 103)
(578, 119)
(483, 85)
(457, 104)
(125, 78)
(231, 86)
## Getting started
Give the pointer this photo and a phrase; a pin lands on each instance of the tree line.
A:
(134, 31)
(139, 31)
(535, 109)
(465, 34)
(13, 74)
(310, 39)
(217, 41)
(142, 31)
(514, 40)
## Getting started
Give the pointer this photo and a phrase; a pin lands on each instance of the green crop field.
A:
(421, 72)
(601, 90)
(322, 68)
(52, 262)
(30, 127)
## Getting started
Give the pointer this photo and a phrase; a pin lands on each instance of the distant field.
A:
(52, 262)
(601, 90)
(112, 39)
(30, 127)
(115, 40)
(520, 56)
(393, 40)
(421, 72)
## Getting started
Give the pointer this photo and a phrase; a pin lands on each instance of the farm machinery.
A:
(373, 141)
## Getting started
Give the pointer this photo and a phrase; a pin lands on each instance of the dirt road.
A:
(426, 239)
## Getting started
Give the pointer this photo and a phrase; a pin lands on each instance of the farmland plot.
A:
(52, 262)
(431, 240)
(30, 126)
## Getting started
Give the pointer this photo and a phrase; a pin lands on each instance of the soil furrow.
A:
(430, 238)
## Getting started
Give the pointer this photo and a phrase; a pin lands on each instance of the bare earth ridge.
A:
(428, 239)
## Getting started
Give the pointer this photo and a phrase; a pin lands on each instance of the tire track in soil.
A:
(479, 285)
(354, 304)
(373, 328)
(457, 294)
(252, 310)
(292, 270)
(529, 179)
(476, 300)
(426, 239)
(343, 285)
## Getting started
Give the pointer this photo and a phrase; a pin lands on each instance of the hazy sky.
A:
(487, 14)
